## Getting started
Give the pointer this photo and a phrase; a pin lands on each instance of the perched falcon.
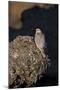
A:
(40, 41)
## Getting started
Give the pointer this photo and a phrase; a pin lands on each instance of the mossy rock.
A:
(25, 61)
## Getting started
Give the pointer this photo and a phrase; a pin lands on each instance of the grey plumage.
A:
(40, 41)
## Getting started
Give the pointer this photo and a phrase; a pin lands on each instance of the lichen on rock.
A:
(25, 61)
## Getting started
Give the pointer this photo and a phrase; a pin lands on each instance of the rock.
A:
(17, 8)
(25, 62)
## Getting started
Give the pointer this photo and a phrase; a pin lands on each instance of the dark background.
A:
(47, 20)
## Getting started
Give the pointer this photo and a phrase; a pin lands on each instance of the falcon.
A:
(40, 41)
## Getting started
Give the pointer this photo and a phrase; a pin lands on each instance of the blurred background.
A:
(25, 17)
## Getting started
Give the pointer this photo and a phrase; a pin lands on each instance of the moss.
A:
(26, 60)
